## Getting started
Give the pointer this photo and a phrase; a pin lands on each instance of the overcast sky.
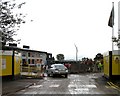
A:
(59, 24)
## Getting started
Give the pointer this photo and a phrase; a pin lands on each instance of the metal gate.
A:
(31, 71)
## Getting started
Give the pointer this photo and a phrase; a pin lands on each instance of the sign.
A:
(3, 52)
(3, 64)
(117, 59)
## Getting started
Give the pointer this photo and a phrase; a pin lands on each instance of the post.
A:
(76, 52)
(118, 43)
(112, 25)
(118, 26)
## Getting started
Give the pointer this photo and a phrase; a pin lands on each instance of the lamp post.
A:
(76, 52)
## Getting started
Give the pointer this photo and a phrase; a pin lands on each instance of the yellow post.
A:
(116, 62)
(28, 70)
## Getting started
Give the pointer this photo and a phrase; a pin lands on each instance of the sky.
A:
(56, 26)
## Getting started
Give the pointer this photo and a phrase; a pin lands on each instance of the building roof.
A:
(21, 49)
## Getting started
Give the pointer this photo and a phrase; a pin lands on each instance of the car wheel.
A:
(48, 75)
(53, 75)
(66, 75)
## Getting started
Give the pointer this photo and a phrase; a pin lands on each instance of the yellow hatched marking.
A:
(113, 86)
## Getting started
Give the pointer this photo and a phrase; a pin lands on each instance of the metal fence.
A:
(31, 71)
(80, 68)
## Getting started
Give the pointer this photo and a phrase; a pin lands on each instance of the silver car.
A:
(57, 69)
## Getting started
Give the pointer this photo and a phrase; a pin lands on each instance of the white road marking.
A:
(82, 86)
(22, 90)
(54, 86)
(77, 80)
(36, 86)
(33, 92)
(75, 87)
(92, 77)
(82, 89)
(71, 85)
(79, 91)
(91, 86)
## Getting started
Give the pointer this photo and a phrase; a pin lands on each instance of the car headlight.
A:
(56, 70)
(66, 70)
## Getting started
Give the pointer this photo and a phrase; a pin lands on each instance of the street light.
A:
(76, 52)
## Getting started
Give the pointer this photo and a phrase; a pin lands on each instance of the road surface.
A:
(91, 84)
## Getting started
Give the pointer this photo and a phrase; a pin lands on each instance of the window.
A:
(33, 54)
(28, 54)
(24, 61)
(33, 61)
(40, 60)
(49, 56)
(28, 61)
(23, 55)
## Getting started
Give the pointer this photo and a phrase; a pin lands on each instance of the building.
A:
(32, 57)
(27, 57)
(50, 59)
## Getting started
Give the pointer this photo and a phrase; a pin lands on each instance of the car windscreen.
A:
(59, 66)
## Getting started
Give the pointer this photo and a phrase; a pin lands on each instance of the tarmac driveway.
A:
(91, 84)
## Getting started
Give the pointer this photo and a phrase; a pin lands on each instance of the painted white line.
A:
(82, 86)
(31, 93)
(79, 91)
(91, 86)
(71, 85)
(82, 89)
(36, 86)
(77, 80)
(54, 86)
(22, 90)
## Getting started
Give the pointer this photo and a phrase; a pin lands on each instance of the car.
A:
(57, 69)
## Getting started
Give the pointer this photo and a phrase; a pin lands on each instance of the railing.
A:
(31, 71)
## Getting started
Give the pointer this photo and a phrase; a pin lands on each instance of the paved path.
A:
(9, 87)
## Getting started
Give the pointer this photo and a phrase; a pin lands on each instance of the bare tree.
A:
(9, 21)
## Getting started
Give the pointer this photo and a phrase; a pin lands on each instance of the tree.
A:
(60, 57)
(9, 21)
(98, 57)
